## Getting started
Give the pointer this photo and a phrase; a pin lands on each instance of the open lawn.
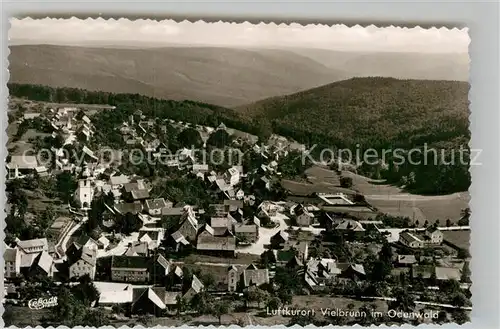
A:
(459, 239)
(241, 258)
(23, 316)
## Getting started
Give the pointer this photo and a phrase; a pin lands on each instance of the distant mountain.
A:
(369, 111)
(222, 76)
(401, 65)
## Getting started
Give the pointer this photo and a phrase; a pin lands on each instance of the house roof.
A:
(179, 238)
(407, 259)
(246, 228)
(137, 248)
(132, 207)
(156, 203)
(407, 236)
(137, 262)
(284, 235)
(119, 180)
(45, 261)
(89, 256)
(169, 211)
(196, 284)
(220, 222)
(210, 242)
(350, 225)
(153, 235)
(163, 262)
(83, 240)
(26, 244)
(140, 194)
(142, 294)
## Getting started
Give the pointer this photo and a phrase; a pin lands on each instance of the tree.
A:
(464, 220)
(257, 295)
(220, 308)
(66, 186)
(273, 303)
(220, 138)
(86, 292)
(460, 316)
(96, 318)
(404, 301)
(190, 138)
(346, 182)
(181, 304)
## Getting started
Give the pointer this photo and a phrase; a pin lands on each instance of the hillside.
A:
(370, 111)
(221, 76)
(401, 65)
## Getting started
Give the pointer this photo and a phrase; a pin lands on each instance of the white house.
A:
(232, 176)
(435, 236)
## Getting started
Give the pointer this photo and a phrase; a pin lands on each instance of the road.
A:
(416, 197)
(394, 232)
(265, 235)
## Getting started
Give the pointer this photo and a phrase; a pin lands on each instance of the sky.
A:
(125, 32)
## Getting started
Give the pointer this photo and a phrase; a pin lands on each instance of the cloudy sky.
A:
(124, 32)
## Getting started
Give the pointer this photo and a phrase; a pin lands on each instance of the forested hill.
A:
(189, 111)
(379, 113)
(374, 112)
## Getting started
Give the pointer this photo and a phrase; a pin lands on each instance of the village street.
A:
(265, 235)
(121, 248)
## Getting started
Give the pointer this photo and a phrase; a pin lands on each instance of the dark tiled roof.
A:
(129, 262)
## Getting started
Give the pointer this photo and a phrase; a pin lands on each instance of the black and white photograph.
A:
(173, 173)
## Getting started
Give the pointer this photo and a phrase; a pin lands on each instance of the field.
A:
(386, 198)
(319, 180)
(460, 239)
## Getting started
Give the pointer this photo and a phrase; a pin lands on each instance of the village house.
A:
(405, 260)
(38, 264)
(279, 239)
(433, 235)
(189, 224)
(129, 269)
(209, 243)
(320, 272)
(195, 288)
(148, 300)
(12, 258)
(151, 237)
(84, 264)
(133, 208)
(32, 246)
(234, 205)
(177, 242)
(232, 176)
(302, 216)
(246, 233)
(411, 239)
(155, 206)
(246, 277)
(21, 165)
(137, 248)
